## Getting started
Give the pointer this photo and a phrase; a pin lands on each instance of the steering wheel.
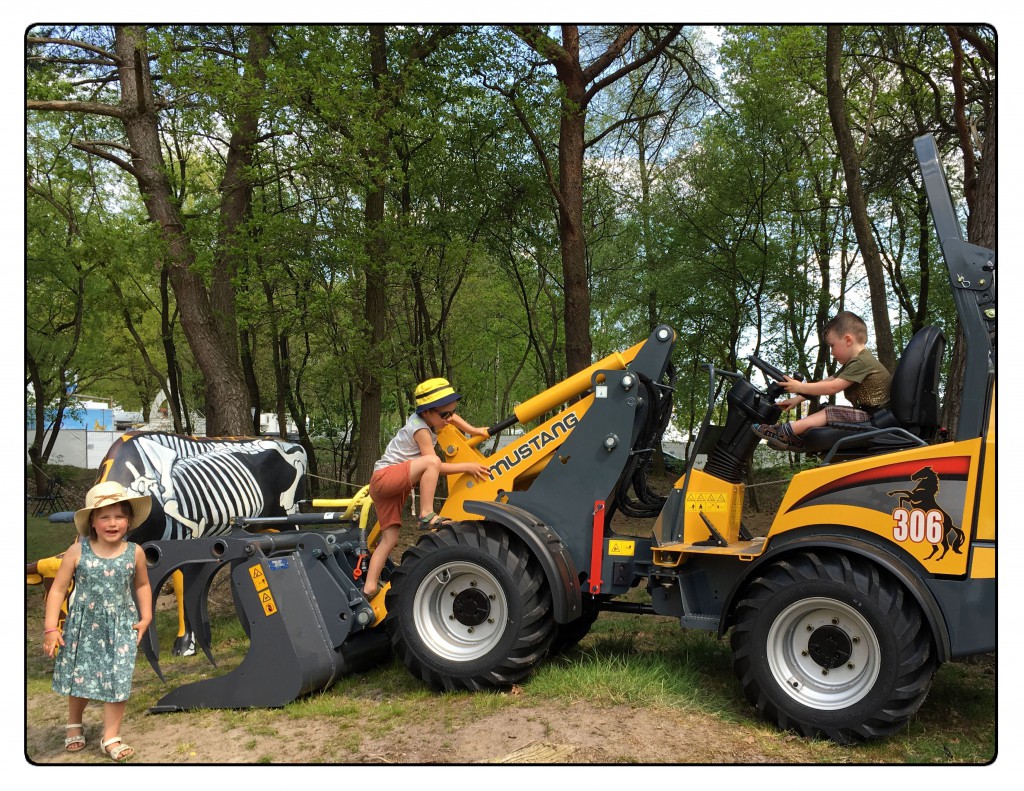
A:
(769, 370)
(774, 388)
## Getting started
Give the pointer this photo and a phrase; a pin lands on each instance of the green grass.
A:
(643, 662)
(650, 662)
(44, 539)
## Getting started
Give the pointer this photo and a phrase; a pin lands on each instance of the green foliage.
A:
(714, 203)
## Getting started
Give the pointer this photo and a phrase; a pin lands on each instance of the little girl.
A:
(103, 628)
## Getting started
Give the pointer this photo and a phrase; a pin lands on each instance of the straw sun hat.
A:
(108, 493)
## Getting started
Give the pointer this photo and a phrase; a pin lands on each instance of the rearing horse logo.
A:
(937, 525)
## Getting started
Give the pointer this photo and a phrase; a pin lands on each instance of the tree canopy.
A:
(307, 220)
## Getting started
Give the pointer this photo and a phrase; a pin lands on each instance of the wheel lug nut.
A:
(835, 621)
(849, 665)
(803, 653)
(810, 628)
(472, 584)
(824, 671)
(856, 639)
(470, 630)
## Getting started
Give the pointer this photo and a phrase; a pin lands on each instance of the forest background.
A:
(308, 220)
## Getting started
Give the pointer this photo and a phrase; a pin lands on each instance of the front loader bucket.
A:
(308, 623)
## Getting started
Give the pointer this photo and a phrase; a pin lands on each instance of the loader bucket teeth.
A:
(307, 621)
(198, 560)
(151, 648)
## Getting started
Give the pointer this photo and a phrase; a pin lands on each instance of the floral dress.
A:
(98, 656)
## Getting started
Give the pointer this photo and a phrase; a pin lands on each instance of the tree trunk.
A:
(981, 224)
(158, 376)
(226, 393)
(425, 363)
(236, 194)
(279, 362)
(173, 393)
(375, 303)
(579, 85)
(576, 309)
(856, 198)
(980, 193)
(40, 449)
(35, 450)
(246, 343)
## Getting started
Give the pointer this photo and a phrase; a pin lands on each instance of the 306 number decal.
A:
(917, 526)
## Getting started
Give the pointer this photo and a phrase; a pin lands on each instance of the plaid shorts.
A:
(845, 414)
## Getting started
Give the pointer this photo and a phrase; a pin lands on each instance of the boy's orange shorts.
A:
(389, 489)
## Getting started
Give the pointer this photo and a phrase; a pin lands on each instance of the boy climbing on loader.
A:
(410, 459)
(861, 378)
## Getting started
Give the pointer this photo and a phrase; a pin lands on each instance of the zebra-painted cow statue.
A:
(198, 484)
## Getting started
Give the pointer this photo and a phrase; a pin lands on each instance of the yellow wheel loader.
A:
(879, 564)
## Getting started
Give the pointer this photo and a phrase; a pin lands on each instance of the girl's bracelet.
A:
(47, 631)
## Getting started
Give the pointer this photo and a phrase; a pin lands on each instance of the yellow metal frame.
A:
(517, 464)
(807, 504)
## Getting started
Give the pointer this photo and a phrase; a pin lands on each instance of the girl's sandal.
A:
(118, 753)
(432, 520)
(74, 743)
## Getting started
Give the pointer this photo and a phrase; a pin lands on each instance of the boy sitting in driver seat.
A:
(861, 378)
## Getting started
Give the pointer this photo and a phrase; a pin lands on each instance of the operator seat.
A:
(912, 417)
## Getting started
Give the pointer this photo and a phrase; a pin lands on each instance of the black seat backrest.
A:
(914, 397)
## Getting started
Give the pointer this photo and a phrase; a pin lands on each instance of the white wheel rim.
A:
(460, 611)
(795, 640)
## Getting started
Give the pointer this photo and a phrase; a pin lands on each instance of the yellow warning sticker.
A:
(627, 548)
(259, 579)
(705, 501)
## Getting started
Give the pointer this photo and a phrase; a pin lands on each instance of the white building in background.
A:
(269, 424)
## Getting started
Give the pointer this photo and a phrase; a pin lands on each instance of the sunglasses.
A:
(446, 414)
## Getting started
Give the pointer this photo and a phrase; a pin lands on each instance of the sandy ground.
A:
(538, 734)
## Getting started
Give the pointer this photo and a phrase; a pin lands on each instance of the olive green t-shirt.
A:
(869, 381)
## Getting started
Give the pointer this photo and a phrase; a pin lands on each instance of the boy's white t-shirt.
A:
(403, 445)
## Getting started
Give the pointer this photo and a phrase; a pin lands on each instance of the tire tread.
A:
(917, 663)
(535, 631)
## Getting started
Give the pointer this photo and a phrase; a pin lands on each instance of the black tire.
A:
(829, 644)
(469, 608)
(569, 634)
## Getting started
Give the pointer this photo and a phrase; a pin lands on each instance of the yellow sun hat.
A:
(434, 393)
(108, 493)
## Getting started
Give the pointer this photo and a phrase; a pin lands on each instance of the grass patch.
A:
(613, 678)
(654, 667)
(44, 539)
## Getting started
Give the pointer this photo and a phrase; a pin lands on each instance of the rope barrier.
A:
(766, 483)
(355, 486)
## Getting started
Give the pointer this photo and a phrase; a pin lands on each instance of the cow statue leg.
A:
(184, 643)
